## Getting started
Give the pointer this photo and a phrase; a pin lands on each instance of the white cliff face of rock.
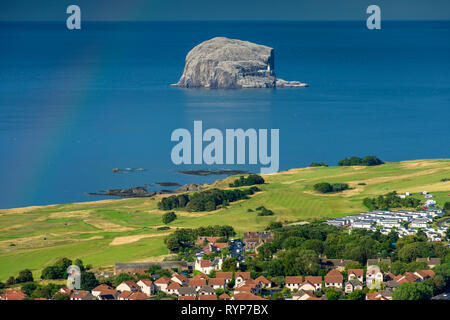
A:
(228, 63)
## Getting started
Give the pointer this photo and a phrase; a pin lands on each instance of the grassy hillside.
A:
(104, 232)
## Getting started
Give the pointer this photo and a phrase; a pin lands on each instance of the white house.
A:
(128, 286)
(146, 286)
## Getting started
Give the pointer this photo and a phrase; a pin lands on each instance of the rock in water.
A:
(229, 63)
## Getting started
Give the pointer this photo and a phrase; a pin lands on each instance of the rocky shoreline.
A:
(141, 192)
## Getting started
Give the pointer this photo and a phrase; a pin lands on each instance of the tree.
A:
(60, 296)
(11, 281)
(413, 291)
(229, 265)
(122, 277)
(88, 281)
(24, 276)
(333, 294)
(50, 272)
(29, 287)
(79, 264)
(62, 264)
(169, 217)
(356, 295)
(323, 187)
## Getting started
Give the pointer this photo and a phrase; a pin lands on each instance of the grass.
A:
(85, 230)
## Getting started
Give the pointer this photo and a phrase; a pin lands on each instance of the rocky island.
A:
(229, 63)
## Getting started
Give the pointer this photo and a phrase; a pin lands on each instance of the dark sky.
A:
(148, 10)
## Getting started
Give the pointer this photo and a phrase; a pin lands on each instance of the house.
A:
(254, 239)
(431, 262)
(334, 278)
(224, 296)
(304, 295)
(240, 277)
(264, 282)
(161, 284)
(206, 290)
(81, 295)
(173, 287)
(386, 294)
(217, 283)
(207, 266)
(356, 274)
(128, 285)
(186, 292)
(146, 286)
(407, 277)
(182, 280)
(132, 295)
(389, 276)
(227, 276)
(353, 285)
(307, 286)
(424, 274)
(338, 264)
(201, 276)
(374, 276)
(203, 240)
(391, 285)
(249, 286)
(13, 294)
(245, 296)
(197, 283)
(138, 296)
(105, 292)
(293, 282)
(315, 280)
(375, 296)
(207, 297)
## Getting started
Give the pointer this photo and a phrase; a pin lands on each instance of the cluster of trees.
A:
(318, 164)
(207, 200)
(252, 179)
(357, 161)
(296, 250)
(390, 200)
(185, 238)
(263, 211)
(168, 217)
(447, 208)
(325, 187)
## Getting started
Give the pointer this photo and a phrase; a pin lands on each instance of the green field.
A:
(104, 232)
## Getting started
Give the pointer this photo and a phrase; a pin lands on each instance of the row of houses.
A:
(403, 221)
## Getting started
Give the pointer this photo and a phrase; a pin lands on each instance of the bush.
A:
(169, 217)
(318, 164)
(390, 200)
(413, 291)
(338, 187)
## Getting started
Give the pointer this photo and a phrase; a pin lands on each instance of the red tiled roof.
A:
(162, 280)
(79, 294)
(207, 297)
(243, 275)
(246, 296)
(216, 281)
(13, 294)
(356, 272)
(220, 245)
(180, 277)
(125, 295)
(294, 279)
(225, 275)
(197, 282)
(200, 276)
(102, 287)
(263, 280)
(224, 296)
(425, 273)
(186, 298)
(131, 284)
(173, 286)
(138, 296)
(206, 263)
(334, 276)
(147, 282)
(314, 279)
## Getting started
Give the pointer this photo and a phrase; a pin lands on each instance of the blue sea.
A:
(76, 104)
